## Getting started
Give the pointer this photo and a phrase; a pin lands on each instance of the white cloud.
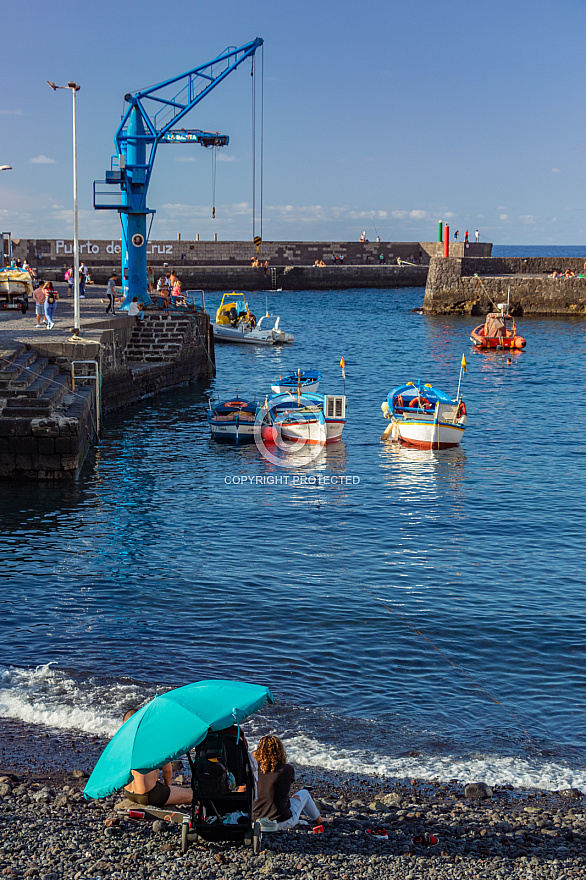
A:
(503, 216)
(226, 157)
(42, 160)
(11, 113)
(555, 171)
(418, 215)
(185, 159)
(528, 219)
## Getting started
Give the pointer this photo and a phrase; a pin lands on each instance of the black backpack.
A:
(212, 777)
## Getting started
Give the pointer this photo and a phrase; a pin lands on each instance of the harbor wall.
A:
(476, 286)
(226, 277)
(58, 253)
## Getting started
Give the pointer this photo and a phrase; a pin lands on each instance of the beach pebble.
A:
(477, 791)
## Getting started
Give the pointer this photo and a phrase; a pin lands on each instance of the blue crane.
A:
(137, 139)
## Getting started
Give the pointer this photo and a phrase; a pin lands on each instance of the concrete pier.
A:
(475, 286)
(46, 425)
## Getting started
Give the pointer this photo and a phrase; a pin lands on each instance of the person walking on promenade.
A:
(111, 292)
(466, 237)
(51, 297)
(82, 277)
(69, 277)
(39, 298)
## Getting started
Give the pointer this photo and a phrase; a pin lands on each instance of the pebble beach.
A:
(48, 830)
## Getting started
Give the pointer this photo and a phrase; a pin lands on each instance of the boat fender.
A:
(461, 409)
(385, 408)
(520, 342)
(252, 321)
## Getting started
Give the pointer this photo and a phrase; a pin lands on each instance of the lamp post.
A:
(5, 168)
(76, 324)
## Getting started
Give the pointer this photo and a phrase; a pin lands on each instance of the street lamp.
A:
(5, 168)
(74, 88)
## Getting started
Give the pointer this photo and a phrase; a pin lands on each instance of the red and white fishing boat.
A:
(310, 418)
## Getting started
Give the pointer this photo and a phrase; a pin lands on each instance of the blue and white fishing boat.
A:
(424, 416)
(232, 421)
(306, 416)
(307, 380)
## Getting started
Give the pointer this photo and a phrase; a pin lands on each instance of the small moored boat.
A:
(498, 331)
(236, 323)
(307, 417)
(306, 380)
(424, 416)
(232, 421)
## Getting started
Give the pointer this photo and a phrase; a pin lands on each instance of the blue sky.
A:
(384, 116)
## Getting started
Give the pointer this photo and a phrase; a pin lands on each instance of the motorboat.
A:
(498, 331)
(424, 416)
(307, 380)
(236, 323)
(306, 416)
(232, 420)
(16, 286)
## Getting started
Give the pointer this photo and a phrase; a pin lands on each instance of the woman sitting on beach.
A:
(275, 777)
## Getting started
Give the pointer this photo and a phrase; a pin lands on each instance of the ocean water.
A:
(415, 613)
(534, 250)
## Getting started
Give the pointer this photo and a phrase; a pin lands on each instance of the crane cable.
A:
(254, 163)
(214, 158)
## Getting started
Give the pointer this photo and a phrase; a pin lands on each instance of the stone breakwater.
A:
(47, 830)
(475, 286)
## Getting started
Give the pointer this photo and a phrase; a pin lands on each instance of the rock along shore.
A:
(47, 830)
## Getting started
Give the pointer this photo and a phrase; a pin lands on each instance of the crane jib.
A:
(151, 118)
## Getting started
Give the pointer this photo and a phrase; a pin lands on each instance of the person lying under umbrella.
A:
(147, 788)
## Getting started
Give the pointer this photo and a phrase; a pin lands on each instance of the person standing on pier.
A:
(39, 298)
(70, 277)
(111, 291)
(477, 236)
(82, 278)
(51, 297)
(456, 234)
(466, 237)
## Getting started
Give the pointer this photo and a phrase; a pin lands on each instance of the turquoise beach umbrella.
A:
(169, 726)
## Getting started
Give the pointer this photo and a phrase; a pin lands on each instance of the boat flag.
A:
(343, 365)
(464, 363)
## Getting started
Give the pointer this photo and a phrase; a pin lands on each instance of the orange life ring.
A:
(236, 404)
(414, 402)
(424, 402)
